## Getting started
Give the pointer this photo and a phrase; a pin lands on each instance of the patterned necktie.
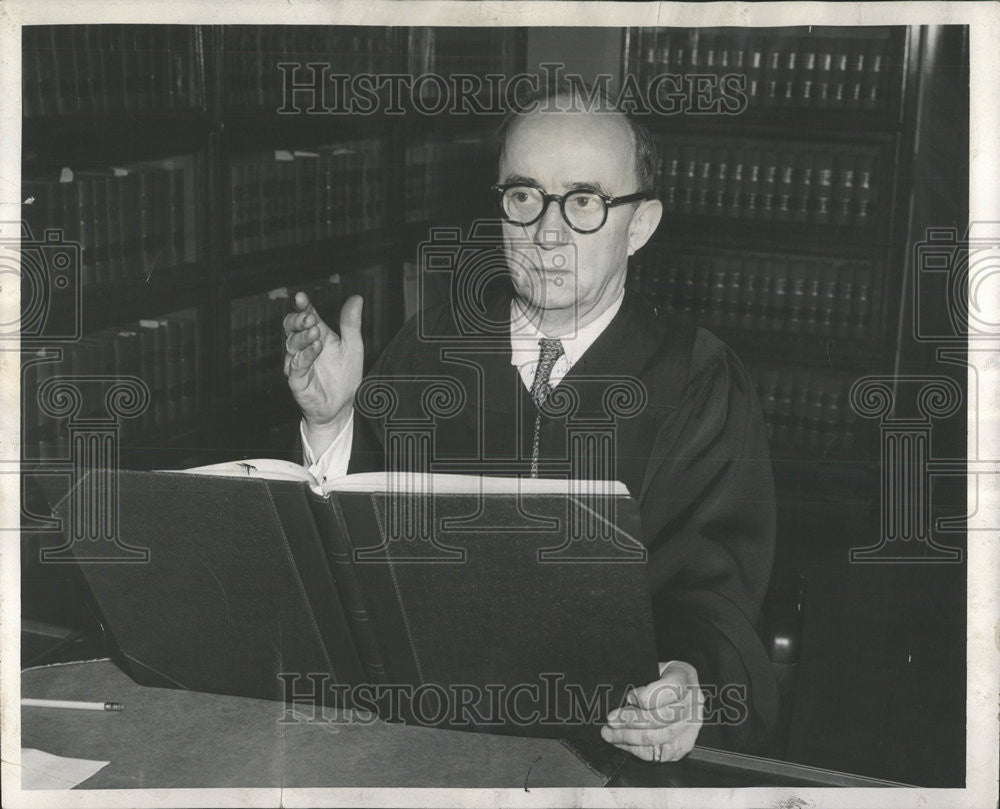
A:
(551, 350)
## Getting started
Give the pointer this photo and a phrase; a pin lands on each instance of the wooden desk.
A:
(169, 738)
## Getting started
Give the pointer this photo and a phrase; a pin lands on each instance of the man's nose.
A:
(551, 229)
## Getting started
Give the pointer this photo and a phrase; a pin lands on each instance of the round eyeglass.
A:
(584, 211)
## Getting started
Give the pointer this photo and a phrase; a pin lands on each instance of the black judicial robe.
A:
(689, 443)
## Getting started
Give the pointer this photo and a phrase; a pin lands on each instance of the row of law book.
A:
(794, 295)
(253, 52)
(448, 52)
(806, 409)
(284, 197)
(256, 331)
(130, 220)
(447, 174)
(163, 352)
(111, 68)
(756, 180)
(822, 68)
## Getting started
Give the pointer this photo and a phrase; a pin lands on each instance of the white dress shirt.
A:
(524, 350)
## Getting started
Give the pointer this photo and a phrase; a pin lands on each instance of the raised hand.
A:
(324, 369)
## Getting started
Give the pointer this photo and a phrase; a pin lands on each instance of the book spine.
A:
(188, 236)
(864, 191)
(84, 84)
(719, 182)
(802, 196)
(154, 374)
(767, 391)
(130, 70)
(813, 414)
(175, 238)
(267, 205)
(255, 206)
(806, 78)
(735, 204)
(145, 66)
(812, 318)
(688, 296)
(778, 305)
(732, 314)
(831, 415)
(839, 77)
(261, 369)
(306, 551)
(159, 41)
(40, 425)
(843, 189)
(861, 304)
(100, 213)
(128, 361)
(784, 407)
(874, 79)
(821, 209)
(237, 208)
(801, 396)
(845, 303)
(172, 350)
(116, 236)
(333, 532)
(30, 73)
(796, 299)
(112, 68)
(747, 303)
(45, 65)
(237, 350)
(65, 69)
(146, 221)
(703, 180)
(785, 187)
(176, 53)
(193, 385)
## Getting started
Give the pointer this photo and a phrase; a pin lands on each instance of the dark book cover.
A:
(236, 590)
(520, 612)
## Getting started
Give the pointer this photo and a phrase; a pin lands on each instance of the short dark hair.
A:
(645, 146)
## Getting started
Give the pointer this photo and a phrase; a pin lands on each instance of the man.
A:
(574, 188)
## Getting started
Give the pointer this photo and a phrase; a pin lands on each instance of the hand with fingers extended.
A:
(324, 369)
(660, 721)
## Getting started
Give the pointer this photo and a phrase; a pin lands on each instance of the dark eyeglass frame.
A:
(609, 202)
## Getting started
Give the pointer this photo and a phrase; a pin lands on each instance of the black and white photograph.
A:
(499, 404)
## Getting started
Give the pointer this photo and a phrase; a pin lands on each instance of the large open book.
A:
(499, 604)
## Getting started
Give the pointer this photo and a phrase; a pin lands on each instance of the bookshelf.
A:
(785, 225)
(184, 209)
(788, 231)
(201, 204)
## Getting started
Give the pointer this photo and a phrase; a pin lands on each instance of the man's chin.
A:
(545, 298)
(543, 290)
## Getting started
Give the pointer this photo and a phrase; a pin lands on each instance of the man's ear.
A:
(644, 222)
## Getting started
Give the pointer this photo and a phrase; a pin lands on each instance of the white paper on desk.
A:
(41, 770)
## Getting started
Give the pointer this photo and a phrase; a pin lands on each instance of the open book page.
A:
(410, 482)
(415, 482)
(266, 468)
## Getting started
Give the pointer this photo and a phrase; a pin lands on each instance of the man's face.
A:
(553, 267)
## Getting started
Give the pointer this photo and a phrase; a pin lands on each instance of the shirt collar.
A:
(524, 335)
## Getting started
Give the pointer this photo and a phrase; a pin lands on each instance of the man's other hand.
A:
(323, 368)
(661, 720)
